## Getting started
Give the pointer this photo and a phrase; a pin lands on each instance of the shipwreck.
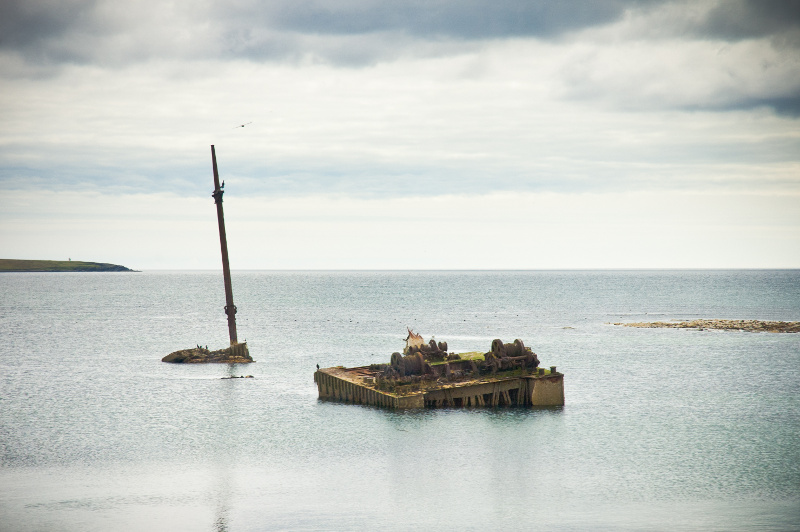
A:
(427, 375)
(236, 353)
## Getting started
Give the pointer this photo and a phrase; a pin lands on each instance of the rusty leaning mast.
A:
(230, 308)
(237, 353)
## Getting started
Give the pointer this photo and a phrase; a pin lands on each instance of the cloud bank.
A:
(496, 231)
(366, 100)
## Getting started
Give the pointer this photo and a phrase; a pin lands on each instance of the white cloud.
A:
(495, 231)
(675, 102)
(490, 120)
(682, 74)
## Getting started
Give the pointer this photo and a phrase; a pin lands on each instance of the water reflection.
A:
(223, 498)
(508, 414)
(227, 449)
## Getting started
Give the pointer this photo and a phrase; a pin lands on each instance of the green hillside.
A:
(13, 265)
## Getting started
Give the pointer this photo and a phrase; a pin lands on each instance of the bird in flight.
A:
(241, 125)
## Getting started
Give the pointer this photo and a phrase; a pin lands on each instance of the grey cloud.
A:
(346, 32)
(24, 22)
(357, 33)
(32, 27)
(478, 19)
(362, 32)
(783, 105)
(744, 19)
(97, 31)
(464, 19)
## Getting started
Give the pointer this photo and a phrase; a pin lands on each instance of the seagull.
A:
(241, 125)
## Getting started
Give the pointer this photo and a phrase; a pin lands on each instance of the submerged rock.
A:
(235, 354)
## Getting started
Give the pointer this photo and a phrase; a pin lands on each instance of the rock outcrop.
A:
(726, 325)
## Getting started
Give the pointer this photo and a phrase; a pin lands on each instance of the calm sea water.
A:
(662, 429)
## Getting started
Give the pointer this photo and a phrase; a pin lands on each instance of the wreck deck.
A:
(358, 385)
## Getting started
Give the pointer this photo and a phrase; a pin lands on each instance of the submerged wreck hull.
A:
(235, 354)
(357, 385)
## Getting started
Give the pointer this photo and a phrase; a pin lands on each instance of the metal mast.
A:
(230, 308)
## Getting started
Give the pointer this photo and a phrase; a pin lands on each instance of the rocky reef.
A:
(235, 354)
(725, 325)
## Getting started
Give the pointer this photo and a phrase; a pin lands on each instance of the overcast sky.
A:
(408, 134)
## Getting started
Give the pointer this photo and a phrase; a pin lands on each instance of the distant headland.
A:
(15, 265)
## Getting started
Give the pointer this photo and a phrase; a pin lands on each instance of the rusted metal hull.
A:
(356, 385)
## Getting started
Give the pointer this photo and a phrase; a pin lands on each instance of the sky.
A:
(436, 134)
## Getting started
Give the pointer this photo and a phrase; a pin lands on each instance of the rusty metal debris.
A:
(428, 375)
(235, 354)
(431, 362)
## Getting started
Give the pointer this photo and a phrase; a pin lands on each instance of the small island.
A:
(15, 265)
(724, 325)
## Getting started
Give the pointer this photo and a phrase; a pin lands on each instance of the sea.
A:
(663, 429)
